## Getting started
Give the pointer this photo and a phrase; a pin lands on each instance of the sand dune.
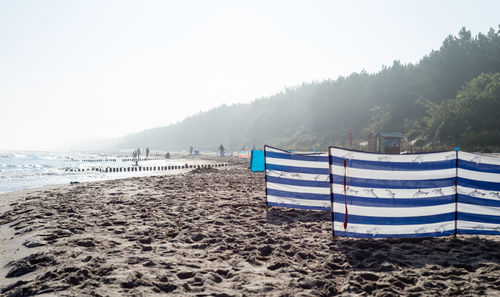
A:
(207, 233)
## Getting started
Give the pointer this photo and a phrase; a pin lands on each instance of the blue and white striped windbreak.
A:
(478, 194)
(380, 195)
(297, 180)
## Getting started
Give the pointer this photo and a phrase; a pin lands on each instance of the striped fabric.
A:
(297, 180)
(379, 195)
(478, 194)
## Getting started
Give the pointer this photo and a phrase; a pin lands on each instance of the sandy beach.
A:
(207, 233)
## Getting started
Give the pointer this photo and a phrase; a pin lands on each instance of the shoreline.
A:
(208, 233)
(122, 173)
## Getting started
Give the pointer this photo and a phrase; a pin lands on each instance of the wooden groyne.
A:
(142, 159)
(144, 168)
(118, 159)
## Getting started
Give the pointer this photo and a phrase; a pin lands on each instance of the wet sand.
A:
(207, 233)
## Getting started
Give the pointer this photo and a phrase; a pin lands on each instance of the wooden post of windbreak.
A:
(456, 191)
(330, 162)
(265, 179)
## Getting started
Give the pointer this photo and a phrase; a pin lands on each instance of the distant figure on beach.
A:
(190, 150)
(350, 137)
(134, 156)
(138, 155)
(221, 150)
(167, 155)
(147, 152)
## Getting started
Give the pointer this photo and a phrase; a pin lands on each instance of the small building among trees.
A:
(385, 142)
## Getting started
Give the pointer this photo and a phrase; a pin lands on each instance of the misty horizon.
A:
(78, 73)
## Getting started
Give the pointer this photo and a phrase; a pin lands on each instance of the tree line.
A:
(450, 97)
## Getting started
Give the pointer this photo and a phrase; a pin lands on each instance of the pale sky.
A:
(73, 70)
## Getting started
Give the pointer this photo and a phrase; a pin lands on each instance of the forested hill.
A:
(450, 97)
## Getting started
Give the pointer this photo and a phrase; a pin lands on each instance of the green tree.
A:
(472, 119)
(411, 98)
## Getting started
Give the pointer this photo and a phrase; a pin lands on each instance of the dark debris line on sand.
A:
(207, 234)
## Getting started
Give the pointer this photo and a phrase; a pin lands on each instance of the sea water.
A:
(23, 170)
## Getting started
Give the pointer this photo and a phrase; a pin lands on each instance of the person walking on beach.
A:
(138, 155)
(221, 149)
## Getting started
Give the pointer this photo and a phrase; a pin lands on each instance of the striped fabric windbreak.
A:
(478, 194)
(380, 195)
(297, 180)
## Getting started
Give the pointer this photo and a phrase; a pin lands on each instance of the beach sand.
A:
(207, 233)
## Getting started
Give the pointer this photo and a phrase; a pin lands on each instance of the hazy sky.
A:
(72, 70)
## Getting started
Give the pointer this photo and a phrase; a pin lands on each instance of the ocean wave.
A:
(29, 166)
(23, 174)
(13, 155)
(50, 158)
